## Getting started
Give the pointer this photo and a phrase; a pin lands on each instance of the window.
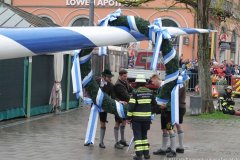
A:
(233, 45)
(48, 20)
(83, 21)
(175, 40)
(8, 1)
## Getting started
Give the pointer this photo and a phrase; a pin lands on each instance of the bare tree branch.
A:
(192, 3)
(133, 3)
(173, 5)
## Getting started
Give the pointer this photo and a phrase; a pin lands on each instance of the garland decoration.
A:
(109, 104)
(138, 29)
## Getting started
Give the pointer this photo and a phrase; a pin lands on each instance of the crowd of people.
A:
(141, 106)
(221, 73)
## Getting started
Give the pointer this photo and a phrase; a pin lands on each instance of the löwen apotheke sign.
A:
(96, 3)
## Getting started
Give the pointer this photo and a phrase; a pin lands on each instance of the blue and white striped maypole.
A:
(23, 42)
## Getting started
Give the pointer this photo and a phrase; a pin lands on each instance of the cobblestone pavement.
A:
(61, 137)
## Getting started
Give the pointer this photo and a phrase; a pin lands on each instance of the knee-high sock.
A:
(102, 134)
(116, 130)
(122, 130)
(165, 138)
(180, 138)
(173, 142)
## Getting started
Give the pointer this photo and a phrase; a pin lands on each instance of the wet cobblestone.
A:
(61, 137)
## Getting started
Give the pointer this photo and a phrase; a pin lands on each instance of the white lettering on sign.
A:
(100, 3)
(96, 3)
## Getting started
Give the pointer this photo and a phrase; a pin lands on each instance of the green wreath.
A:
(109, 104)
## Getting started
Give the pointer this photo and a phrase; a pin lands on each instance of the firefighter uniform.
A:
(139, 113)
(227, 102)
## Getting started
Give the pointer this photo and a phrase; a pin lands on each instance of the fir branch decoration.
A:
(92, 87)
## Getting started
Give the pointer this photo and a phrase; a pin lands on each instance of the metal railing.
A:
(192, 82)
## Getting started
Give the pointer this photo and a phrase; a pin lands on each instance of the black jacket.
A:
(107, 88)
(122, 90)
(140, 105)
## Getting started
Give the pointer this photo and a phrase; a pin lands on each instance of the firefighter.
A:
(227, 103)
(139, 115)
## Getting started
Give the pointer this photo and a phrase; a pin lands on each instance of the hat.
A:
(140, 78)
(229, 87)
(107, 73)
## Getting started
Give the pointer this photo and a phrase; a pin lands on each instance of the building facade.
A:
(228, 27)
(76, 13)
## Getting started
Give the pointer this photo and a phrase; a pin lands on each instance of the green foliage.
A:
(171, 67)
(215, 115)
(92, 87)
(220, 8)
(133, 3)
(142, 24)
(109, 103)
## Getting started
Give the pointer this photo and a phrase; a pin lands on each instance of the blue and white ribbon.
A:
(120, 109)
(111, 17)
(175, 97)
(92, 125)
(76, 76)
(99, 99)
(85, 58)
(87, 101)
(175, 105)
(93, 118)
(132, 23)
(104, 22)
(87, 79)
(171, 77)
(169, 56)
(156, 28)
(161, 101)
(185, 75)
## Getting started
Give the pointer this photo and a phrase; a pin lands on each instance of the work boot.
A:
(147, 156)
(118, 146)
(159, 152)
(180, 150)
(137, 157)
(171, 154)
(87, 144)
(168, 150)
(124, 143)
(101, 145)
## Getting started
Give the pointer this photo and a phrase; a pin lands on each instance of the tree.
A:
(201, 8)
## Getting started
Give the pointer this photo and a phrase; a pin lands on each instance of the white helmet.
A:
(229, 87)
(140, 78)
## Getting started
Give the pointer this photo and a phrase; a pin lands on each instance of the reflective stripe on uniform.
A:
(132, 100)
(141, 114)
(145, 148)
(129, 113)
(137, 142)
(224, 103)
(145, 141)
(139, 148)
(230, 107)
(144, 101)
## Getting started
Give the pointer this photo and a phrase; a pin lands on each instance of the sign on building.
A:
(96, 3)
